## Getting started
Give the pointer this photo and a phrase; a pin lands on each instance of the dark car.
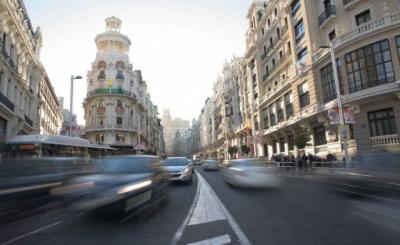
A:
(121, 185)
(180, 169)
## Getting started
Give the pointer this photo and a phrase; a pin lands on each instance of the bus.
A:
(50, 146)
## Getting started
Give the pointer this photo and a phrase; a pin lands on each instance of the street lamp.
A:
(71, 98)
(339, 99)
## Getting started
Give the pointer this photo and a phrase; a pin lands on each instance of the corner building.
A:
(118, 109)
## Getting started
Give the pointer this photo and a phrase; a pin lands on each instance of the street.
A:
(304, 210)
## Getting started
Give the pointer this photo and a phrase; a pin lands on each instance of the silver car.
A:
(210, 164)
(251, 173)
(180, 169)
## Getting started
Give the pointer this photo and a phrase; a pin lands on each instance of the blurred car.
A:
(180, 169)
(251, 173)
(210, 164)
(197, 162)
(121, 185)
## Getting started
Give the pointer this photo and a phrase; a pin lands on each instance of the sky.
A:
(180, 45)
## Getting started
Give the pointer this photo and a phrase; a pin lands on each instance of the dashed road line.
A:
(200, 212)
(31, 233)
(220, 240)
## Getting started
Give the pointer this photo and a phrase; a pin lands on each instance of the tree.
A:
(245, 149)
(232, 150)
(301, 140)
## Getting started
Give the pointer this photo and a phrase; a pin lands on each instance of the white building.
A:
(118, 109)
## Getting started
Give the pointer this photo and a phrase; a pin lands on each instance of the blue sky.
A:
(180, 45)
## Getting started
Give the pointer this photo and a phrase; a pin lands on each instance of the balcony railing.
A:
(112, 127)
(345, 2)
(392, 139)
(28, 120)
(328, 12)
(101, 76)
(6, 102)
(120, 76)
(369, 27)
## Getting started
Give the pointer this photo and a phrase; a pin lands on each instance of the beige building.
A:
(171, 126)
(28, 103)
(292, 79)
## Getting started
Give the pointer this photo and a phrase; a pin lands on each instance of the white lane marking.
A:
(31, 233)
(356, 174)
(239, 233)
(207, 208)
(28, 188)
(392, 183)
(178, 234)
(219, 240)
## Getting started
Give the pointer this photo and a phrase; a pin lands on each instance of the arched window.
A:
(119, 120)
(119, 103)
(102, 65)
(101, 122)
(101, 103)
(120, 65)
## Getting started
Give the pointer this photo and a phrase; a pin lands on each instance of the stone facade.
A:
(171, 126)
(118, 108)
(28, 102)
(286, 85)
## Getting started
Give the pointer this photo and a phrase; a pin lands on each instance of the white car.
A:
(250, 173)
(210, 165)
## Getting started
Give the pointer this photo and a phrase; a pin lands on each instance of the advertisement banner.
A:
(333, 115)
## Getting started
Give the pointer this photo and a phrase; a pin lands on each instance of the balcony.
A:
(392, 139)
(347, 4)
(132, 128)
(101, 76)
(373, 26)
(328, 13)
(120, 76)
(28, 120)
(101, 110)
(6, 102)
(119, 109)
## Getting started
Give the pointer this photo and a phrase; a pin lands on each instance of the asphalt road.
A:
(306, 209)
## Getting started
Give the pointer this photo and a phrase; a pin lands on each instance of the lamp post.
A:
(339, 99)
(71, 98)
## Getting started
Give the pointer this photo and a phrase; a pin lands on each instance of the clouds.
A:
(179, 45)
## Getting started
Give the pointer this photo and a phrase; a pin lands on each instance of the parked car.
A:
(250, 173)
(211, 164)
(197, 162)
(180, 169)
(121, 185)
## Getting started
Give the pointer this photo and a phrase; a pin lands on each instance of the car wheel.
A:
(189, 181)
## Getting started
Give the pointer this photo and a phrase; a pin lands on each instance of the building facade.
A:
(118, 108)
(28, 103)
(171, 126)
(285, 80)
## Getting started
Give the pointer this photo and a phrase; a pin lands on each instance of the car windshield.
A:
(176, 162)
(128, 165)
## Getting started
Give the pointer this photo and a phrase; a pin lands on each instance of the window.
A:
(299, 31)
(101, 121)
(120, 75)
(304, 95)
(382, 122)
(102, 65)
(265, 118)
(102, 74)
(274, 147)
(275, 12)
(291, 142)
(273, 62)
(328, 83)
(120, 65)
(101, 103)
(369, 66)
(280, 54)
(269, 22)
(278, 32)
(272, 115)
(120, 138)
(119, 120)
(100, 138)
(262, 31)
(279, 109)
(282, 144)
(289, 105)
(271, 42)
(332, 35)
(302, 55)
(295, 6)
(289, 48)
(398, 45)
(363, 17)
(119, 103)
(319, 136)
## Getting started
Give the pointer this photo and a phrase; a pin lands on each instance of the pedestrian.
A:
(299, 160)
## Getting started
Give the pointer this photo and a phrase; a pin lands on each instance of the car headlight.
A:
(134, 187)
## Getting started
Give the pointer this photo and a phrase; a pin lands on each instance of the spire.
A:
(113, 24)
